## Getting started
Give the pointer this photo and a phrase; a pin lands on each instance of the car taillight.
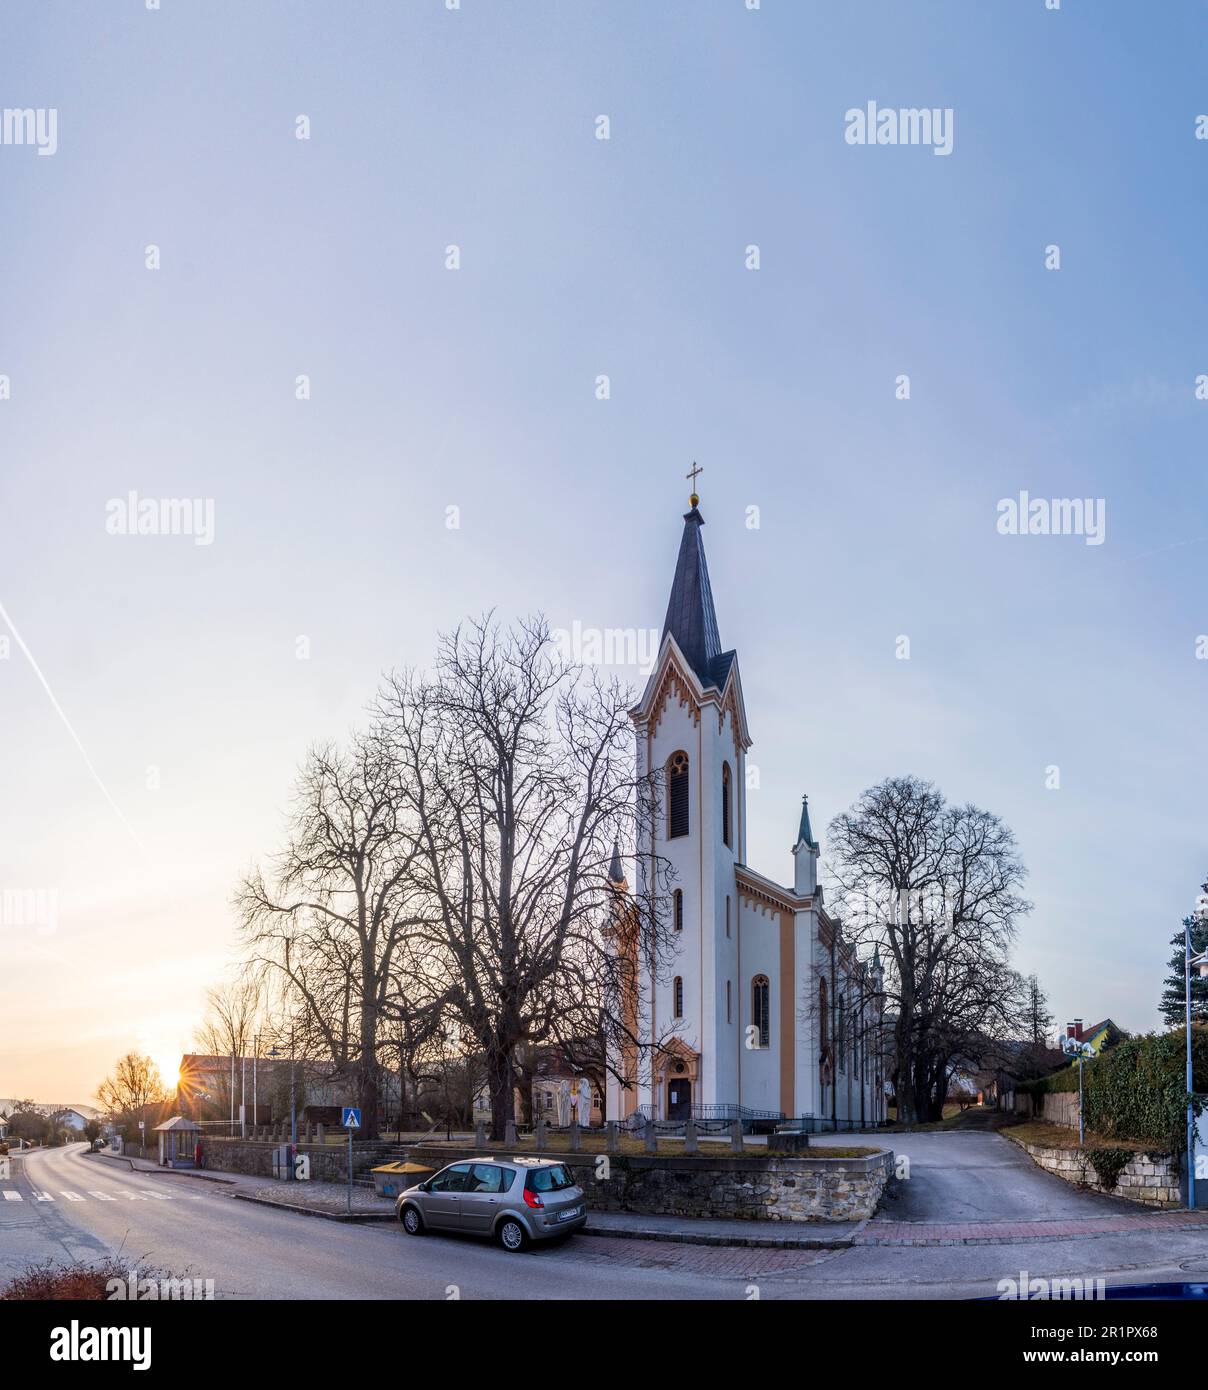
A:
(532, 1200)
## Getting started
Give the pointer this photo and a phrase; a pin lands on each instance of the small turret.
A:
(805, 855)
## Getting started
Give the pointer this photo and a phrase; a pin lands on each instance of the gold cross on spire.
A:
(695, 471)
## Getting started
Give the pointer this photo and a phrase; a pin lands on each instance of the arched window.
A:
(677, 795)
(727, 914)
(677, 905)
(725, 803)
(823, 1020)
(761, 1009)
(678, 992)
(728, 1019)
(841, 1039)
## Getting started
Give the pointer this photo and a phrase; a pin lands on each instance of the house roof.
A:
(178, 1123)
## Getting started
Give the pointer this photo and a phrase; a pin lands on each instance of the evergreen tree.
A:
(1174, 996)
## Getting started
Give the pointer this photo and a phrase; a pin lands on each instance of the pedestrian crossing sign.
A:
(352, 1118)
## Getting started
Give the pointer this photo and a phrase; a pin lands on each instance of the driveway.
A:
(964, 1177)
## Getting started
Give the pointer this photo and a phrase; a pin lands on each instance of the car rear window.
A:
(489, 1177)
(550, 1179)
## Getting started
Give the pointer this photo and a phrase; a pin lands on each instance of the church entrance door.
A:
(679, 1099)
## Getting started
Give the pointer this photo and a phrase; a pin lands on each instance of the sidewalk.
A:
(330, 1200)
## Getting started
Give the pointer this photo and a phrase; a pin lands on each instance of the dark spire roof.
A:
(804, 833)
(615, 873)
(691, 618)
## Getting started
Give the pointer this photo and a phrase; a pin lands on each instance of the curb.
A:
(727, 1242)
(665, 1237)
(164, 1172)
(354, 1217)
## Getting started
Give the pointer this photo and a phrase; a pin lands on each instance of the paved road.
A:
(90, 1206)
(974, 1176)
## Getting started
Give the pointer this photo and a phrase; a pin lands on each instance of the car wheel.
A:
(512, 1235)
(413, 1222)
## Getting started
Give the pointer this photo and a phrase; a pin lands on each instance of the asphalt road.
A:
(93, 1206)
(976, 1176)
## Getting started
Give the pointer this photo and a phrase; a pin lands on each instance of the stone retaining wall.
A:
(1149, 1178)
(328, 1162)
(772, 1188)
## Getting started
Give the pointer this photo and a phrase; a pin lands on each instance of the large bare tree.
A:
(937, 888)
(134, 1090)
(228, 1030)
(517, 774)
(332, 916)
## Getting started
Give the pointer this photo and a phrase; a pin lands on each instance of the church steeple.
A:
(804, 834)
(615, 873)
(691, 618)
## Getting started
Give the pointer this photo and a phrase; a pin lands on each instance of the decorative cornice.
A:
(767, 893)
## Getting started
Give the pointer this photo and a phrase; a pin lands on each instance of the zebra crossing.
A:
(95, 1194)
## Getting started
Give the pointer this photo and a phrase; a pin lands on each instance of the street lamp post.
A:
(1201, 961)
(1072, 1047)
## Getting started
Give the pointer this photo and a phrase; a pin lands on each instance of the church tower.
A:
(692, 736)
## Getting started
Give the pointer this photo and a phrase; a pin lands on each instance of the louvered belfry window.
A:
(677, 795)
(725, 803)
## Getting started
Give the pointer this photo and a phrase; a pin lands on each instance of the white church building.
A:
(764, 1009)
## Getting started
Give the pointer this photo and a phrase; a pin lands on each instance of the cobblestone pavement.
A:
(1010, 1232)
(322, 1197)
(720, 1261)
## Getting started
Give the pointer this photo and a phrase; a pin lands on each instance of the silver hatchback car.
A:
(515, 1200)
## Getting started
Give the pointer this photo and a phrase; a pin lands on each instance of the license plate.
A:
(569, 1214)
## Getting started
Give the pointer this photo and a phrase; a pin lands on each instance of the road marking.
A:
(100, 1196)
(159, 1196)
(42, 1196)
(13, 1197)
(134, 1196)
(71, 1196)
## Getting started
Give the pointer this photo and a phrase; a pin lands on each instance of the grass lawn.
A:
(1052, 1136)
(974, 1117)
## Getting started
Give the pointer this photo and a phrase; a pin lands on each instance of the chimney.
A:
(1078, 1029)
(1071, 1029)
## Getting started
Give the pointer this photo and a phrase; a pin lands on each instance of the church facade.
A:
(763, 1009)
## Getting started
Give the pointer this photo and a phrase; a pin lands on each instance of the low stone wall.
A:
(772, 1188)
(328, 1162)
(1149, 1178)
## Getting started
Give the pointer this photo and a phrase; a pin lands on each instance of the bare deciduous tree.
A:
(133, 1089)
(936, 887)
(332, 916)
(518, 777)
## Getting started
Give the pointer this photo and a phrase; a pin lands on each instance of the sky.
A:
(458, 452)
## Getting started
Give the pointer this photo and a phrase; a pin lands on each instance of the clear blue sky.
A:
(475, 389)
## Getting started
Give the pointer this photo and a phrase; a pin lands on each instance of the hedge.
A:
(1138, 1088)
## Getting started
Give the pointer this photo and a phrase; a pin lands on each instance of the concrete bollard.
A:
(480, 1135)
(541, 1140)
(690, 1146)
(576, 1141)
(509, 1133)
(612, 1139)
(320, 1135)
(652, 1142)
(736, 1136)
